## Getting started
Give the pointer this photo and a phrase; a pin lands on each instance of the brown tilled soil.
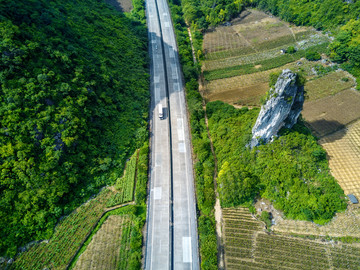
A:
(104, 249)
(332, 113)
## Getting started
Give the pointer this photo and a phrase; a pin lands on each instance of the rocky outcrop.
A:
(282, 108)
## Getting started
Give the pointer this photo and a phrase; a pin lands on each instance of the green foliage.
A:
(326, 14)
(206, 12)
(208, 242)
(291, 50)
(125, 184)
(73, 101)
(312, 55)
(273, 77)
(292, 171)
(266, 218)
(322, 14)
(142, 175)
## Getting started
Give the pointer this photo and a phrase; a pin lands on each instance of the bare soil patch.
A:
(121, 5)
(332, 113)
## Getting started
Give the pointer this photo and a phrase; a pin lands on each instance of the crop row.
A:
(125, 184)
(67, 238)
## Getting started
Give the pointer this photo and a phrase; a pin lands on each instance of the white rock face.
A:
(282, 108)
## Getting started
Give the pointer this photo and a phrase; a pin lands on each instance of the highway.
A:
(172, 241)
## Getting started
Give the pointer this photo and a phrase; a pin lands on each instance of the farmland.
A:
(239, 59)
(116, 242)
(332, 113)
(343, 148)
(247, 246)
(68, 237)
(104, 250)
(73, 230)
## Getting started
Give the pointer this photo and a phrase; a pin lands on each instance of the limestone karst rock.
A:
(282, 108)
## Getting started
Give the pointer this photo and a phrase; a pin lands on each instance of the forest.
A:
(73, 107)
(292, 171)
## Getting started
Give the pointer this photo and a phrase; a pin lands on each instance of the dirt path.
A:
(192, 46)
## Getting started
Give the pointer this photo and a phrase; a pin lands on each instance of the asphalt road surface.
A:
(172, 241)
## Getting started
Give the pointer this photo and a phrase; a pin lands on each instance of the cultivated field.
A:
(343, 224)
(247, 89)
(103, 251)
(73, 230)
(247, 246)
(343, 148)
(255, 39)
(332, 113)
(68, 237)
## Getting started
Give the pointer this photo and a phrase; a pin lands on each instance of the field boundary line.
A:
(106, 210)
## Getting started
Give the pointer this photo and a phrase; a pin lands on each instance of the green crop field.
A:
(248, 246)
(68, 237)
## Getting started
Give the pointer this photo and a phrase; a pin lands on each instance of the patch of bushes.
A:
(312, 55)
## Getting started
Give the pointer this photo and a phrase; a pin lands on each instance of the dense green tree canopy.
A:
(73, 100)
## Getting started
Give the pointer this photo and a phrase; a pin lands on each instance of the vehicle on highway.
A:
(161, 115)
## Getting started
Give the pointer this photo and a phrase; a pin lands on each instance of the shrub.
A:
(291, 49)
(312, 56)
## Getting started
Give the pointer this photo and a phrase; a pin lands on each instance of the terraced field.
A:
(68, 237)
(247, 246)
(343, 148)
(103, 251)
(254, 43)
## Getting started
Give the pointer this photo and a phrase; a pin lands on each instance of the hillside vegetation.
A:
(292, 171)
(73, 103)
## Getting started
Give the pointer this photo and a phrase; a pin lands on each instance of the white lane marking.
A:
(156, 79)
(165, 14)
(157, 193)
(167, 24)
(171, 53)
(174, 74)
(157, 94)
(186, 245)
(182, 147)
(176, 87)
(180, 129)
(157, 159)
